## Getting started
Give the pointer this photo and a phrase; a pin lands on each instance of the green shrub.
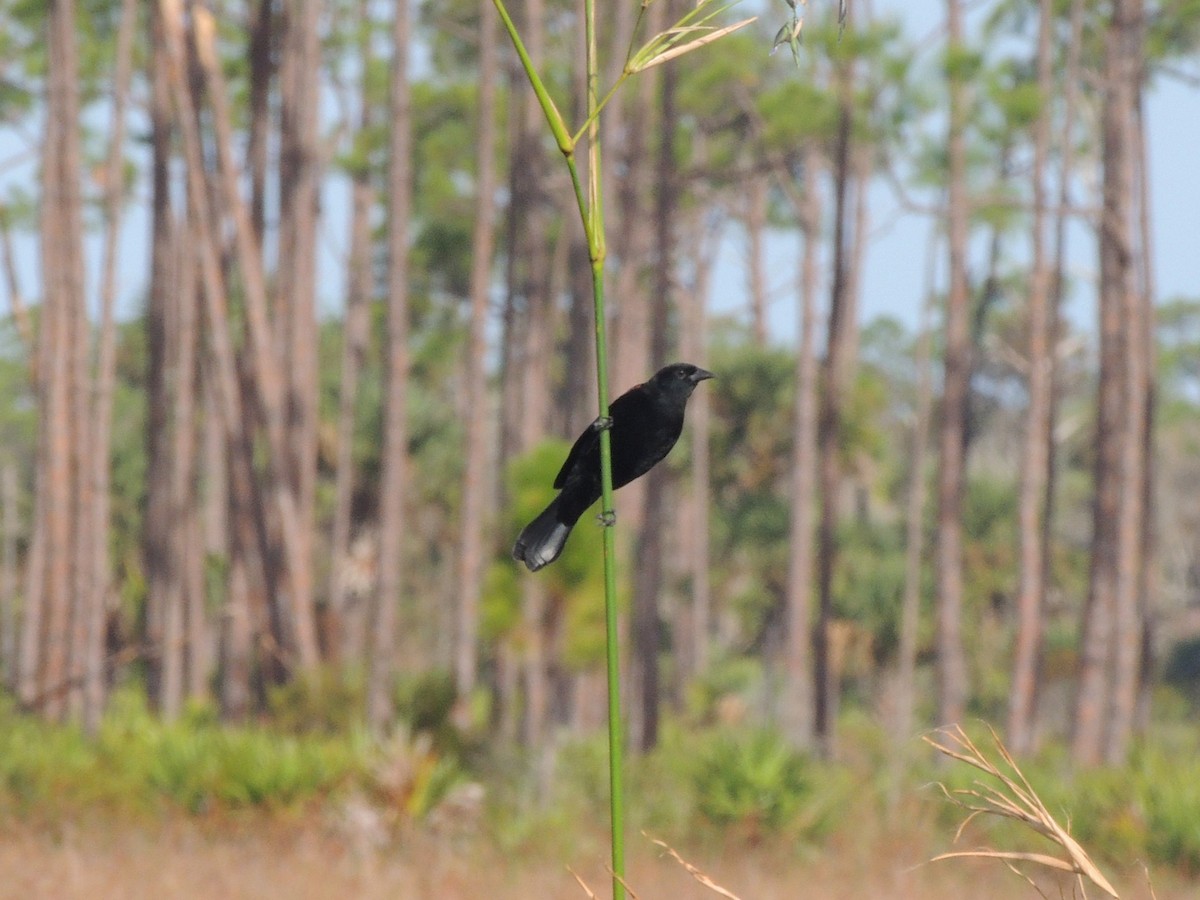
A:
(328, 701)
(138, 762)
(756, 782)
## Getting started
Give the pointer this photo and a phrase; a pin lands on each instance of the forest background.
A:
(297, 325)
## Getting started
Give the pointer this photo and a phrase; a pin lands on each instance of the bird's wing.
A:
(584, 444)
(588, 443)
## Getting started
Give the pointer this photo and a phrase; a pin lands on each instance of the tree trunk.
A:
(829, 428)
(798, 700)
(345, 643)
(756, 226)
(156, 521)
(395, 436)
(952, 667)
(1148, 583)
(105, 377)
(1109, 593)
(1031, 587)
(914, 522)
(259, 126)
(8, 576)
(295, 306)
(648, 574)
(249, 527)
(695, 634)
(55, 633)
(475, 509)
(1137, 313)
(291, 587)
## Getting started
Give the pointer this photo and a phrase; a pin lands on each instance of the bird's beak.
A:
(701, 375)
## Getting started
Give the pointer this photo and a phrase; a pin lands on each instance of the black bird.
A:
(646, 422)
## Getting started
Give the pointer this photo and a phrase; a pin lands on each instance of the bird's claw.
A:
(607, 519)
(602, 423)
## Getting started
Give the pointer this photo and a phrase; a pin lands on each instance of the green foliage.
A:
(755, 782)
(138, 763)
(424, 701)
(328, 701)
(574, 584)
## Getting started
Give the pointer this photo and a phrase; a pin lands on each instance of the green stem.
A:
(594, 225)
(591, 212)
(553, 117)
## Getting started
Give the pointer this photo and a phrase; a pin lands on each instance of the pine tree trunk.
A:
(259, 125)
(914, 527)
(829, 427)
(395, 436)
(756, 226)
(155, 525)
(8, 576)
(291, 594)
(695, 631)
(1137, 314)
(952, 667)
(1031, 587)
(798, 699)
(475, 509)
(57, 596)
(295, 306)
(346, 643)
(1106, 611)
(649, 559)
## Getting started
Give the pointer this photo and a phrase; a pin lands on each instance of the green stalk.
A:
(591, 212)
(597, 252)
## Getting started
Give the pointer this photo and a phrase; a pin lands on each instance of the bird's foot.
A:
(602, 423)
(607, 519)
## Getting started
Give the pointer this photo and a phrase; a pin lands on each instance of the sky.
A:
(895, 262)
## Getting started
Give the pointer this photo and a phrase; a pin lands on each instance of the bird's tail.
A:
(542, 540)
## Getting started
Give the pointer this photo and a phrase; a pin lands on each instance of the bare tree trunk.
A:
(829, 428)
(295, 306)
(248, 528)
(914, 542)
(648, 575)
(56, 655)
(756, 225)
(182, 346)
(1148, 583)
(155, 524)
(395, 436)
(105, 377)
(345, 645)
(1031, 587)
(952, 667)
(1072, 79)
(261, 70)
(798, 700)
(294, 581)
(1137, 314)
(8, 576)
(694, 349)
(1108, 594)
(475, 510)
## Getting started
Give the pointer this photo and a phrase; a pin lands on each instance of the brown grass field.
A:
(307, 858)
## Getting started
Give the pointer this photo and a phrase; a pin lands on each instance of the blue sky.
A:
(895, 263)
(896, 257)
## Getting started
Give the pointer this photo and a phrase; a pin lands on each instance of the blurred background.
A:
(297, 327)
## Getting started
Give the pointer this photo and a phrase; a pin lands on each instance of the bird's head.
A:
(680, 378)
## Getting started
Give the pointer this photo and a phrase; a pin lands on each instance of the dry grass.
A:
(307, 859)
(1007, 794)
